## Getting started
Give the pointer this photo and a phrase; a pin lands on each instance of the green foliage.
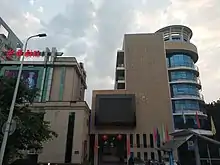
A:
(213, 105)
(31, 131)
(213, 110)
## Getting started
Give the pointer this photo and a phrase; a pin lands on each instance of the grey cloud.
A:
(72, 31)
(68, 27)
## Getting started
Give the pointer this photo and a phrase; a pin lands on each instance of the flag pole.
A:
(210, 161)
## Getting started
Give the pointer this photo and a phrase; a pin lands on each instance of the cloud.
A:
(203, 17)
(40, 9)
(93, 30)
(31, 2)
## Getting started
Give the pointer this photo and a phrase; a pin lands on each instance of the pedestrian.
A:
(131, 160)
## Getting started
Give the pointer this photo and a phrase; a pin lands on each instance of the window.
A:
(145, 140)
(131, 140)
(69, 139)
(139, 155)
(176, 38)
(159, 156)
(180, 105)
(185, 89)
(177, 60)
(152, 156)
(190, 122)
(183, 75)
(167, 61)
(151, 141)
(138, 140)
(145, 156)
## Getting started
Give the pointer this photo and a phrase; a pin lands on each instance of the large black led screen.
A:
(117, 109)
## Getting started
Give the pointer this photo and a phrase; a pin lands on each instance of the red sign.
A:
(29, 53)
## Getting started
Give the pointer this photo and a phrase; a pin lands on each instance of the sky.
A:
(93, 30)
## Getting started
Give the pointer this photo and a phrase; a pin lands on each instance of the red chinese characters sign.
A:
(19, 53)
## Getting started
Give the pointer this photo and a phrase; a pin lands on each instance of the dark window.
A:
(139, 155)
(152, 155)
(131, 140)
(145, 140)
(138, 140)
(151, 141)
(159, 156)
(190, 122)
(69, 139)
(132, 154)
(145, 156)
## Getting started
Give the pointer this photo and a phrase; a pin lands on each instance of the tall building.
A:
(156, 86)
(8, 40)
(139, 105)
(62, 84)
(185, 85)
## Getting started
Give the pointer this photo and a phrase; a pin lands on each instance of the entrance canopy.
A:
(175, 143)
(183, 136)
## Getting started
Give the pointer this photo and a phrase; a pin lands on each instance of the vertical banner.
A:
(167, 134)
(197, 120)
(128, 146)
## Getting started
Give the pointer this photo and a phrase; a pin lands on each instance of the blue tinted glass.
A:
(185, 89)
(182, 75)
(181, 60)
(168, 63)
(176, 38)
(190, 122)
(180, 105)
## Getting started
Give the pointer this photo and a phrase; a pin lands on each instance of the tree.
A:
(213, 110)
(31, 130)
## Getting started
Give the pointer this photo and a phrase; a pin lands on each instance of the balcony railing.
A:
(200, 97)
(197, 81)
(194, 67)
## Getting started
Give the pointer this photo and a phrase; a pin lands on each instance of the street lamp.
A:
(8, 123)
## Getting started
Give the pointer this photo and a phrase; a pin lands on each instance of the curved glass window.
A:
(181, 60)
(190, 122)
(185, 89)
(181, 105)
(182, 75)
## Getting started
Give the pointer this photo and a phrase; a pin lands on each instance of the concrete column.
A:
(96, 150)
(196, 150)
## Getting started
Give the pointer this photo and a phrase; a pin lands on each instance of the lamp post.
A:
(7, 129)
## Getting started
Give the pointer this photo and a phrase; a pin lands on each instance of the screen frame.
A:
(115, 96)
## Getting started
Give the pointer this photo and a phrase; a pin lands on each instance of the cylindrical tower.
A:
(185, 85)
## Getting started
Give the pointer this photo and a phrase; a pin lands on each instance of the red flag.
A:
(155, 134)
(197, 120)
(128, 146)
(167, 134)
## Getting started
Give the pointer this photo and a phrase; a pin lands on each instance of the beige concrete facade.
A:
(59, 108)
(145, 76)
(62, 84)
(57, 113)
